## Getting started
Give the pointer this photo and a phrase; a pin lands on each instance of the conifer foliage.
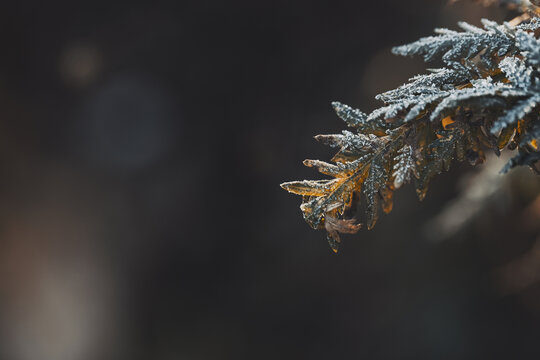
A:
(486, 97)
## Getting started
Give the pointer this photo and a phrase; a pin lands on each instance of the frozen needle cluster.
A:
(485, 97)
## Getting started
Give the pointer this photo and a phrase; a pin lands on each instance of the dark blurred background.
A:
(141, 149)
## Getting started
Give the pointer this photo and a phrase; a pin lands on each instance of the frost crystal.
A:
(405, 166)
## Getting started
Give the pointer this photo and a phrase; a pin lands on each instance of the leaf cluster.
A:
(486, 97)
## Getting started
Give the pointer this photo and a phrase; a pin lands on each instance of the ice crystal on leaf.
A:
(405, 166)
(486, 97)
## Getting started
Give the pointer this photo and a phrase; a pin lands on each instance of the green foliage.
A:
(487, 97)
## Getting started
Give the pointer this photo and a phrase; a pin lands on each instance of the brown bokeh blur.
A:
(141, 149)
